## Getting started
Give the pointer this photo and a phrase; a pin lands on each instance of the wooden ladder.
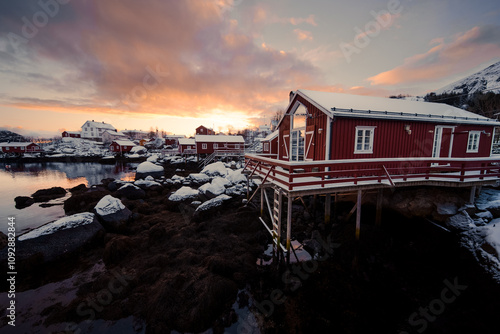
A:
(276, 219)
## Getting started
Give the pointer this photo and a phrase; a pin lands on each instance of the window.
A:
(216, 146)
(364, 139)
(225, 145)
(204, 146)
(473, 142)
(7, 148)
(266, 146)
(237, 146)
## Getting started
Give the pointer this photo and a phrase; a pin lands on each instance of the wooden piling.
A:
(358, 214)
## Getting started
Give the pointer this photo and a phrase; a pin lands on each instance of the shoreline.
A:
(68, 159)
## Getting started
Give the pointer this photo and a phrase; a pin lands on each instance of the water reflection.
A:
(23, 179)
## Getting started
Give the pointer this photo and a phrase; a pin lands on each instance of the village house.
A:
(20, 147)
(173, 140)
(202, 130)
(108, 136)
(208, 144)
(121, 146)
(71, 134)
(270, 145)
(187, 146)
(93, 130)
(136, 134)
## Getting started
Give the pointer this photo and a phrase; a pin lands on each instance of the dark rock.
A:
(113, 215)
(48, 205)
(107, 181)
(44, 195)
(130, 191)
(115, 185)
(23, 202)
(79, 188)
(54, 246)
(83, 202)
(3, 240)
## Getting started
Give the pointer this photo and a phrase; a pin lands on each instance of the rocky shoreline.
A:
(180, 250)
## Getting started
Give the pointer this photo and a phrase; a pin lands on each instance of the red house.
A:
(270, 145)
(173, 140)
(201, 130)
(72, 134)
(208, 144)
(20, 147)
(121, 146)
(187, 146)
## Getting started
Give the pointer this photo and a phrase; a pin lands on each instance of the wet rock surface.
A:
(44, 195)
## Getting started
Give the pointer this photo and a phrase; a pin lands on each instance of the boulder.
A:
(211, 190)
(79, 188)
(112, 213)
(57, 239)
(148, 168)
(116, 184)
(44, 195)
(183, 194)
(215, 169)
(236, 177)
(23, 201)
(83, 202)
(131, 191)
(3, 240)
(198, 179)
(147, 184)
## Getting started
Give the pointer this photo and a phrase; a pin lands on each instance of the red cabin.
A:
(173, 140)
(202, 130)
(121, 146)
(270, 145)
(209, 144)
(71, 134)
(187, 146)
(20, 147)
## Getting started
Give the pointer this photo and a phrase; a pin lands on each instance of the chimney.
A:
(292, 93)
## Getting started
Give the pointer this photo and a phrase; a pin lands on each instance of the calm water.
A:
(24, 179)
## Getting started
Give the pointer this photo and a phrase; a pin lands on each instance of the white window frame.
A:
(237, 146)
(204, 146)
(216, 146)
(266, 146)
(471, 148)
(371, 130)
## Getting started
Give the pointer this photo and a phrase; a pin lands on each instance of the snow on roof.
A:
(114, 133)
(174, 136)
(271, 136)
(346, 105)
(219, 139)
(187, 141)
(73, 132)
(11, 144)
(100, 125)
(124, 142)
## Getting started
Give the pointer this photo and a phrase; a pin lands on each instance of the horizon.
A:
(224, 64)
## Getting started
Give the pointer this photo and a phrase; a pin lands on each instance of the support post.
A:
(358, 214)
(378, 214)
(472, 195)
(288, 227)
(262, 201)
(328, 208)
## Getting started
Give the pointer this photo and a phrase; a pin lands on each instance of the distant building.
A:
(173, 140)
(121, 146)
(135, 134)
(270, 144)
(108, 136)
(71, 134)
(187, 146)
(202, 130)
(208, 144)
(93, 130)
(20, 147)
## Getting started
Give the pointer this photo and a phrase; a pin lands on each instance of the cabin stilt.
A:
(472, 195)
(358, 213)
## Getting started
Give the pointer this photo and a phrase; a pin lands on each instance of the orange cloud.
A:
(465, 51)
(303, 35)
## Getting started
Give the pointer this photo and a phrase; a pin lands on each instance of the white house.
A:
(108, 136)
(94, 130)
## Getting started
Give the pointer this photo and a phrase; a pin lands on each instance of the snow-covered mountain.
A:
(10, 136)
(487, 80)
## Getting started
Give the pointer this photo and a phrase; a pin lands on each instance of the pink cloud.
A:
(303, 35)
(465, 51)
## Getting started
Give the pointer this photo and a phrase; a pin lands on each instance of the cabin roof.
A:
(219, 139)
(12, 144)
(347, 105)
(124, 142)
(187, 141)
(100, 125)
(271, 136)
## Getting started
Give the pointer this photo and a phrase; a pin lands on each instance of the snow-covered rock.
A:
(153, 158)
(235, 191)
(446, 208)
(138, 150)
(221, 181)
(198, 179)
(183, 194)
(150, 178)
(131, 191)
(144, 184)
(215, 169)
(214, 202)
(485, 215)
(211, 190)
(64, 223)
(461, 221)
(112, 213)
(235, 176)
(148, 168)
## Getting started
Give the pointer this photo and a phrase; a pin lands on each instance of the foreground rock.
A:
(131, 191)
(56, 240)
(23, 202)
(44, 195)
(112, 213)
(148, 168)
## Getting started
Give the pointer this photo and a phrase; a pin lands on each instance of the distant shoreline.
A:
(67, 159)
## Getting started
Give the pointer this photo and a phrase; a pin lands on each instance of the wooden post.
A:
(262, 202)
(328, 208)
(378, 214)
(358, 214)
(288, 228)
(472, 195)
(248, 188)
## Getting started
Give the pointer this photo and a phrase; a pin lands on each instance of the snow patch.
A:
(108, 205)
(183, 194)
(149, 167)
(215, 169)
(214, 202)
(64, 223)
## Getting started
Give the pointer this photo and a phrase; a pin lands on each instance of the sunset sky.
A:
(224, 63)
